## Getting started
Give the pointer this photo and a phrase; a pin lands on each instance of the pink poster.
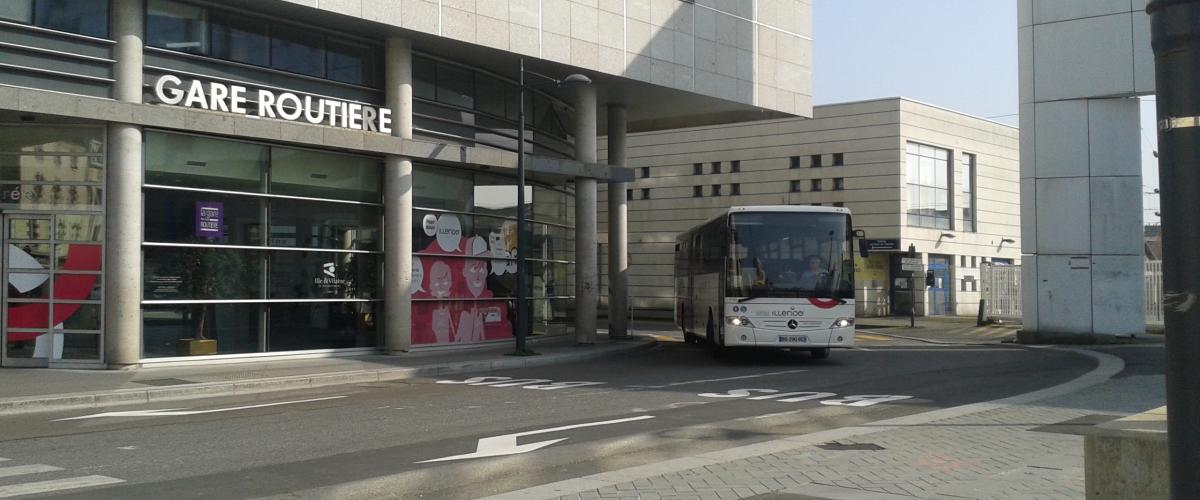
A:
(467, 319)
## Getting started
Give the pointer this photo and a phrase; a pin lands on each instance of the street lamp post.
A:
(522, 329)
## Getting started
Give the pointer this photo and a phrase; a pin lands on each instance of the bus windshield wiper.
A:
(762, 293)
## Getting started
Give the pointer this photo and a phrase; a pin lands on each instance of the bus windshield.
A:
(791, 254)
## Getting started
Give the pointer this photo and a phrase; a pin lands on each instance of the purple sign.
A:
(209, 219)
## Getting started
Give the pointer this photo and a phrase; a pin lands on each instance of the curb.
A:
(936, 342)
(35, 404)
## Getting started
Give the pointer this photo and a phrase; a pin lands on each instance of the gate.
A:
(1002, 291)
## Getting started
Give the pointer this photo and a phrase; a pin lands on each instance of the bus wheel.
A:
(821, 353)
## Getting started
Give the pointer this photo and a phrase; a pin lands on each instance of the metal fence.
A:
(1154, 293)
(1002, 291)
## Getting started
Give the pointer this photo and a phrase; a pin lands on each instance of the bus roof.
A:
(791, 208)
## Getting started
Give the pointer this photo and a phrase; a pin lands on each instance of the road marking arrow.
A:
(507, 444)
(178, 412)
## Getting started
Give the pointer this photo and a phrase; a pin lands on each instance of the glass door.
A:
(52, 313)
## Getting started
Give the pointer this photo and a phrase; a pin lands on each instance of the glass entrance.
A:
(53, 309)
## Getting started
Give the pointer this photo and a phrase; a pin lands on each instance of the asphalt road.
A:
(375, 440)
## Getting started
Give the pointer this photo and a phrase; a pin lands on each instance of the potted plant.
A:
(206, 273)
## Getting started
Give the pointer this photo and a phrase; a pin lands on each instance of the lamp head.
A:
(575, 80)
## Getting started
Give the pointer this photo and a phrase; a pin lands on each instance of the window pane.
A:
(297, 51)
(489, 95)
(51, 139)
(443, 189)
(20, 11)
(306, 224)
(171, 217)
(498, 196)
(549, 205)
(176, 26)
(81, 346)
(200, 274)
(424, 78)
(351, 63)
(233, 326)
(441, 233)
(912, 169)
(323, 275)
(321, 326)
(941, 173)
(86, 17)
(78, 316)
(39, 169)
(198, 162)
(29, 229)
(941, 201)
(240, 39)
(455, 86)
(79, 227)
(445, 322)
(928, 199)
(77, 257)
(78, 287)
(28, 286)
(28, 256)
(297, 172)
(928, 165)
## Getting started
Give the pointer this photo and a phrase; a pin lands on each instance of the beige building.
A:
(944, 182)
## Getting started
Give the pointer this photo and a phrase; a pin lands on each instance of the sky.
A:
(958, 54)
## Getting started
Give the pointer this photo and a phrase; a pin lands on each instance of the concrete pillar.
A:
(587, 269)
(123, 210)
(1081, 185)
(397, 203)
(618, 236)
(128, 18)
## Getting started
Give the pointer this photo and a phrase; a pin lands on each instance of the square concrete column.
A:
(587, 268)
(397, 203)
(123, 203)
(618, 236)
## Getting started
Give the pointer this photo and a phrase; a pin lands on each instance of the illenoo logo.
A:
(330, 269)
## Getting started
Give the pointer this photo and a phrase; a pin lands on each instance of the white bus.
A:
(769, 276)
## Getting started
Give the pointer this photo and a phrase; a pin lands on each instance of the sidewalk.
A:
(939, 329)
(1014, 448)
(42, 389)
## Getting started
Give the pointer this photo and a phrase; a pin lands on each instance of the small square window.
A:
(628, 194)
(839, 159)
(962, 261)
(716, 167)
(735, 166)
(815, 161)
(839, 184)
(795, 162)
(795, 187)
(735, 189)
(838, 204)
(645, 193)
(697, 168)
(974, 263)
(815, 204)
(645, 172)
(816, 185)
(697, 191)
(716, 190)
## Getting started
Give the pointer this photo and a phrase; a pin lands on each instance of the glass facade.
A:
(258, 247)
(967, 199)
(927, 170)
(235, 36)
(464, 264)
(51, 196)
(84, 17)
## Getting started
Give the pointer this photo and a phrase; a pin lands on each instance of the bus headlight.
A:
(739, 321)
(843, 322)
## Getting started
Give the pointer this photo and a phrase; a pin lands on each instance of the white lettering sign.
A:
(216, 96)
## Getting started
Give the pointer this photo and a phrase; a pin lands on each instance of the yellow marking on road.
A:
(872, 337)
(666, 338)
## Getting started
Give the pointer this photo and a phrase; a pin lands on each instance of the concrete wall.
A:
(1081, 64)
(871, 137)
(756, 52)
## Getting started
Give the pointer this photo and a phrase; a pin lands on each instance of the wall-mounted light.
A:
(1010, 241)
(948, 236)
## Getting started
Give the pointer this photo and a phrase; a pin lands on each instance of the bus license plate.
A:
(793, 338)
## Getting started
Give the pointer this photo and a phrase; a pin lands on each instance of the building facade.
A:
(200, 179)
(911, 174)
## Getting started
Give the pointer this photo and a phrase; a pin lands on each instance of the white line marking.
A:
(27, 469)
(689, 382)
(177, 412)
(507, 444)
(55, 485)
(2, 459)
(863, 349)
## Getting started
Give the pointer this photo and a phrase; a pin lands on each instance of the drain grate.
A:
(163, 381)
(836, 446)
